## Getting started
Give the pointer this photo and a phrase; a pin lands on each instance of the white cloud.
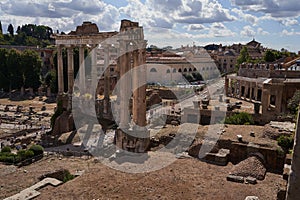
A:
(276, 8)
(203, 11)
(219, 30)
(288, 21)
(290, 32)
(248, 31)
(196, 27)
(62, 14)
(252, 19)
(260, 31)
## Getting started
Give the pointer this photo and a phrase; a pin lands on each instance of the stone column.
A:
(60, 71)
(82, 70)
(226, 85)
(139, 83)
(106, 79)
(293, 188)
(124, 60)
(278, 103)
(70, 75)
(250, 95)
(265, 100)
(255, 91)
(240, 89)
(94, 75)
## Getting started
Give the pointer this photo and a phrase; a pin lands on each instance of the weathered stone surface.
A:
(251, 180)
(63, 124)
(238, 179)
(286, 172)
(252, 167)
(252, 198)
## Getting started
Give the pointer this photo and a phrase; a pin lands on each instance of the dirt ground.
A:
(186, 178)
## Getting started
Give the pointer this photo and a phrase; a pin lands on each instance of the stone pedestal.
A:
(49, 92)
(136, 141)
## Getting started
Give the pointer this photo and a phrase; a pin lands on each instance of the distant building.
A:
(226, 56)
(172, 67)
(267, 85)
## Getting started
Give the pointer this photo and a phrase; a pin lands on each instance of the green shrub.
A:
(37, 149)
(286, 142)
(6, 149)
(68, 176)
(29, 154)
(242, 118)
(21, 154)
(8, 157)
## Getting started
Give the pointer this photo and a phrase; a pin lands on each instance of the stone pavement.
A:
(31, 192)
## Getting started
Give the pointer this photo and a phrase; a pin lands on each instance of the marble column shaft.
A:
(139, 95)
(60, 71)
(94, 70)
(106, 78)
(124, 60)
(70, 76)
(82, 70)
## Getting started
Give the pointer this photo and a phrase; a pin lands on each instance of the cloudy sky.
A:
(274, 23)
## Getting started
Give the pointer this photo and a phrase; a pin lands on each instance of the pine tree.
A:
(10, 29)
(1, 31)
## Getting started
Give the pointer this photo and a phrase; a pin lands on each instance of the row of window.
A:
(184, 70)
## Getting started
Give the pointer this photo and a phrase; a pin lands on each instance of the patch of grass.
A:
(286, 142)
(242, 118)
(68, 176)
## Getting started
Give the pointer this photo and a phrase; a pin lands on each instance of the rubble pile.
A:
(251, 167)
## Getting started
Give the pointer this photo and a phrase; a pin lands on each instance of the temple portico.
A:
(131, 54)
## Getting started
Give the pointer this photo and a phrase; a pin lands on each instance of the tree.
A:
(14, 69)
(270, 56)
(10, 29)
(31, 69)
(1, 30)
(293, 103)
(244, 56)
(51, 80)
(19, 30)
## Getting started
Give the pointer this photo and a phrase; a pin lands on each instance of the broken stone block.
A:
(252, 198)
(286, 172)
(251, 180)
(237, 179)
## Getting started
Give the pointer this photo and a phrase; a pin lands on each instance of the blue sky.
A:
(274, 23)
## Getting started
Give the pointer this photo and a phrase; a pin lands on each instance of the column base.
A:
(136, 141)
(64, 99)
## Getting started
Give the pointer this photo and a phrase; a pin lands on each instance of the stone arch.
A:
(168, 71)
(153, 70)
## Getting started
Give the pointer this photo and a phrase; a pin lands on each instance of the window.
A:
(272, 100)
(153, 70)
(168, 71)
(190, 70)
(174, 70)
(185, 70)
(179, 70)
